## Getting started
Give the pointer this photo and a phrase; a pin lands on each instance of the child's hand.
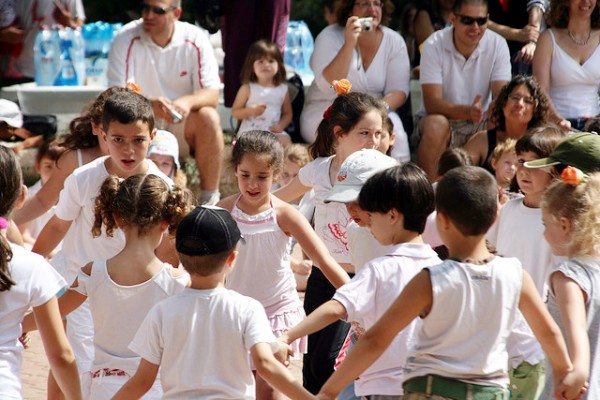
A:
(25, 339)
(284, 353)
(572, 386)
(258, 109)
(302, 267)
(276, 128)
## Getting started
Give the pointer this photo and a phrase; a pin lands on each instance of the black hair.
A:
(541, 140)
(126, 108)
(469, 197)
(404, 188)
(452, 158)
(458, 4)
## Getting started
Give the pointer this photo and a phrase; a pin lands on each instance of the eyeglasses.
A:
(466, 20)
(368, 4)
(146, 8)
(528, 101)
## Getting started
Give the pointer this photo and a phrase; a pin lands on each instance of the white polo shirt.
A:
(462, 79)
(182, 67)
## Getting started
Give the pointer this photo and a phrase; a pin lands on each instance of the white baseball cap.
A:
(355, 171)
(165, 144)
(10, 113)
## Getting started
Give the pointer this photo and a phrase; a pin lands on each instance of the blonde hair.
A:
(297, 154)
(578, 204)
(507, 146)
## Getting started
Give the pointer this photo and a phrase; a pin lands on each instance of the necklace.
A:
(579, 42)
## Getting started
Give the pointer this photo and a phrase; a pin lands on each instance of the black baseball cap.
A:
(206, 230)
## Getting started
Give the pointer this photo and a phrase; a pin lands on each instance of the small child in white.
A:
(201, 337)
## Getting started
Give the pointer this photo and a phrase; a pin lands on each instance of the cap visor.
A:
(541, 163)
(342, 194)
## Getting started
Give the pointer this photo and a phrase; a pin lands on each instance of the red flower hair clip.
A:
(572, 176)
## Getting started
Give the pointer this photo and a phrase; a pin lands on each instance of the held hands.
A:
(528, 33)
(476, 112)
(284, 353)
(572, 386)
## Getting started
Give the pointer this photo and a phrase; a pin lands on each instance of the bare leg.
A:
(435, 136)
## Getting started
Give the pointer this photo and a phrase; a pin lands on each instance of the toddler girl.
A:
(571, 215)
(164, 152)
(123, 288)
(262, 269)
(263, 101)
(353, 122)
(503, 161)
(28, 281)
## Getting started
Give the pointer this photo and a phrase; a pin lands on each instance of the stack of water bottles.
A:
(73, 57)
(299, 46)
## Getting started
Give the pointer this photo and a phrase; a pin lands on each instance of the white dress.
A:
(262, 271)
(273, 97)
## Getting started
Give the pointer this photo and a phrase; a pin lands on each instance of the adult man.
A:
(174, 65)
(462, 68)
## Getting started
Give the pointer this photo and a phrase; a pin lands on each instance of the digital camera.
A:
(366, 23)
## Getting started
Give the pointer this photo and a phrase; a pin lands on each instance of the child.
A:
(353, 122)
(570, 212)
(201, 337)
(122, 289)
(164, 152)
(503, 161)
(388, 137)
(127, 130)
(468, 306)
(518, 232)
(82, 145)
(396, 221)
(263, 101)
(263, 269)
(45, 164)
(27, 281)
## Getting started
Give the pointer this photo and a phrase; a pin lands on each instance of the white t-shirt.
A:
(76, 204)
(117, 308)
(201, 340)
(463, 79)
(464, 335)
(363, 246)
(184, 66)
(330, 220)
(37, 283)
(369, 294)
(32, 14)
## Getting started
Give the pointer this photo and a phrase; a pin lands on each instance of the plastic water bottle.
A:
(67, 75)
(78, 55)
(46, 56)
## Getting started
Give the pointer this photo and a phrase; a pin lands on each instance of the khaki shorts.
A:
(527, 381)
(179, 131)
(461, 131)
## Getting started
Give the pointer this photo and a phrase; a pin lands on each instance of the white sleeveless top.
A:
(574, 87)
(118, 311)
(262, 269)
(464, 335)
(271, 96)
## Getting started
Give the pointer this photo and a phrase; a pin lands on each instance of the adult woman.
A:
(520, 106)
(567, 61)
(373, 58)
(432, 17)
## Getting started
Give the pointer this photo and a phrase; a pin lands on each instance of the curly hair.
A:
(345, 11)
(140, 201)
(540, 109)
(578, 204)
(11, 183)
(557, 15)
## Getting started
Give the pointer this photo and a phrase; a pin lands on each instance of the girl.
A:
(571, 212)
(263, 268)
(263, 101)
(81, 146)
(353, 122)
(123, 288)
(26, 280)
(164, 152)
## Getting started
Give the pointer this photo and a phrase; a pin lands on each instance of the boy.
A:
(396, 220)
(201, 337)
(468, 305)
(128, 129)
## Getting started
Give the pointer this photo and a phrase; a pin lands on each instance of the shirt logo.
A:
(182, 74)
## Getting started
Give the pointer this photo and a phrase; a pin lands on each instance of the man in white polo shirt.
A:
(174, 65)
(462, 68)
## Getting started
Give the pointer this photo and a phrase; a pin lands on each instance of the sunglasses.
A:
(146, 8)
(466, 20)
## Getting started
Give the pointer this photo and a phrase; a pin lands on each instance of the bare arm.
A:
(275, 373)
(395, 99)
(339, 66)
(325, 315)
(549, 336)
(293, 223)
(286, 115)
(51, 235)
(526, 34)
(423, 26)
(139, 383)
(292, 190)
(436, 104)
(476, 146)
(239, 109)
(59, 352)
(412, 301)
